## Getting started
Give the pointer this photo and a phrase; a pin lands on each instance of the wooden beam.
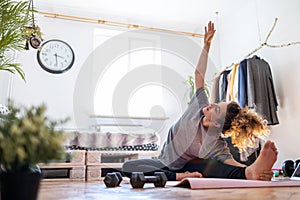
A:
(119, 24)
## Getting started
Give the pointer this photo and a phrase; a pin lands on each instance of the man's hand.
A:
(209, 33)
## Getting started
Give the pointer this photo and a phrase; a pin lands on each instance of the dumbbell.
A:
(138, 179)
(289, 166)
(113, 179)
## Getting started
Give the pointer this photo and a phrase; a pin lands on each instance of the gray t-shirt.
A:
(188, 139)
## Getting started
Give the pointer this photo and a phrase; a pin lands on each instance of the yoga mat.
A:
(213, 183)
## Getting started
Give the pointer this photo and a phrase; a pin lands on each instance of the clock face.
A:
(55, 56)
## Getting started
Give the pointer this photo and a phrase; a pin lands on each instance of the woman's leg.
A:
(261, 169)
(211, 168)
(148, 167)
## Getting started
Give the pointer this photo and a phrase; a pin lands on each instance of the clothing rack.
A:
(265, 43)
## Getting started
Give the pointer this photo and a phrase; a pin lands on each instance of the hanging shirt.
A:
(215, 98)
(242, 94)
(260, 89)
(220, 88)
(224, 84)
(233, 82)
(228, 86)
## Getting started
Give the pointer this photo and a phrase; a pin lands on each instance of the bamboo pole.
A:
(119, 24)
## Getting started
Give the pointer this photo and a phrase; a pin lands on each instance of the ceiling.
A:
(188, 15)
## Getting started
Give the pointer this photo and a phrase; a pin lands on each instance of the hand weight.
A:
(113, 179)
(138, 179)
(289, 166)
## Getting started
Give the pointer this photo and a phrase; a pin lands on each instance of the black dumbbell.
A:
(289, 166)
(113, 179)
(138, 179)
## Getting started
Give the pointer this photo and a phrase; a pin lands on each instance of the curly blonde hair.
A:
(245, 127)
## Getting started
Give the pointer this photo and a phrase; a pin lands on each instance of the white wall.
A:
(238, 33)
(55, 90)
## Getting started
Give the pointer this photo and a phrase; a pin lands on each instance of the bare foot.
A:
(261, 169)
(180, 176)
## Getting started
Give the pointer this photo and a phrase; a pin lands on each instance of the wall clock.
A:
(55, 56)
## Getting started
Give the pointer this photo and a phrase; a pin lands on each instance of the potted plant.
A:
(17, 28)
(32, 33)
(191, 82)
(33, 36)
(27, 137)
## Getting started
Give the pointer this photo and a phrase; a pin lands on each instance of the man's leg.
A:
(148, 167)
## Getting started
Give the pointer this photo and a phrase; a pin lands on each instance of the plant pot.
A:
(20, 185)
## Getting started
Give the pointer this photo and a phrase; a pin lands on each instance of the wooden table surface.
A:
(69, 190)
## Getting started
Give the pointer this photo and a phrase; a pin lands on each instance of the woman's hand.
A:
(209, 33)
(200, 70)
(187, 174)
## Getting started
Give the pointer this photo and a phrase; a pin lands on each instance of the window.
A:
(142, 51)
(146, 80)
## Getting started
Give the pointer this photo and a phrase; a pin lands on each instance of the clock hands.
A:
(55, 59)
(57, 56)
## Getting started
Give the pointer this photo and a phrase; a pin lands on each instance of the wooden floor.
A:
(70, 190)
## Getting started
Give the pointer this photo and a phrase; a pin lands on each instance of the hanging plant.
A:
(14, 17)
(33, 36)
(32, 33)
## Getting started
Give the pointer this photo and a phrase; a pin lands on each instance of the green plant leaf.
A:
(13, 16)
(28, 137)
(191, 82)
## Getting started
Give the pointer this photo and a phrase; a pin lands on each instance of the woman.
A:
(194, 147)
